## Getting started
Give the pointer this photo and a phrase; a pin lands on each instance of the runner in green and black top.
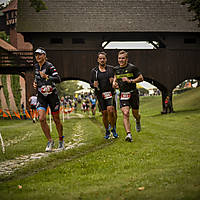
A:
(102, 79)
(45, 78)
(126, 77)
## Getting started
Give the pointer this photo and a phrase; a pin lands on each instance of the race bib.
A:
(125, 96)
(107, 95)
(46, 89)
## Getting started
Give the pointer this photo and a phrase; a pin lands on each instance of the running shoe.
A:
(138, 126)
(128, 138)
(107, 136)
(49, 146)
(61, 145)
(115, 135)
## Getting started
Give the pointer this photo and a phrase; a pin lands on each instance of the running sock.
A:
(61, 138)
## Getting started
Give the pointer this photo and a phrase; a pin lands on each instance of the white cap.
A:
(40, 51)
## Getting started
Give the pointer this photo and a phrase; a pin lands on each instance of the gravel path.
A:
(10, 166)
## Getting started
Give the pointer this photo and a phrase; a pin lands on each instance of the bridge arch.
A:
(74, 78)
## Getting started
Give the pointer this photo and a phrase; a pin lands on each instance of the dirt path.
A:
(10, 166)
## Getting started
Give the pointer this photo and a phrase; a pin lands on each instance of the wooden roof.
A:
(11, 6)
(106, 16)
(6, 46)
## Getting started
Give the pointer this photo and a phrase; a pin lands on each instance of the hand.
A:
(115, 84)
(96, 84)
(43, 75)
(34, 85)
(125, 79)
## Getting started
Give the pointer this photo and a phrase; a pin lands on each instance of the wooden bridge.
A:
(72, 40)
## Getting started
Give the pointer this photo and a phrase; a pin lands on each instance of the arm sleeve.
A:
(54, 77)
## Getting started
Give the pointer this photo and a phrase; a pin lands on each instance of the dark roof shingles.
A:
(106, 16)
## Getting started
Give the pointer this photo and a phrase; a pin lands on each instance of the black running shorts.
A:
(103, 103)
(52, 100)
(33, 107)
(132, 102)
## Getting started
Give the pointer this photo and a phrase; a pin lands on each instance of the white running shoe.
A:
(61, 145)
(128, 138)
(49, 146)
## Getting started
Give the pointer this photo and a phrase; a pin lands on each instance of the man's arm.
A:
(54, 77)
(136, 80)
(93, 79)
(115, 84)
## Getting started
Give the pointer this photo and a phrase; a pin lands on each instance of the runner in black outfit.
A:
(45, 78)
(126, 77)
(101, 79)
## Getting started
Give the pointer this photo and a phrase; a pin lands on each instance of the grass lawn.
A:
(163, 161)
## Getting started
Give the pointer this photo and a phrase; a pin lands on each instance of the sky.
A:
(3, 1)
(129, 45)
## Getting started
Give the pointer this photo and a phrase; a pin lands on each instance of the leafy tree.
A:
(68, 88)
(38, 5)
(4, 36)
(193, 5)
(1, 6)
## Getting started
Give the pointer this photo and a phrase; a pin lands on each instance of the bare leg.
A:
(105, 118)
(44, 125)
(125, 111)
(58, 123)
(136, 115)
(111, 116)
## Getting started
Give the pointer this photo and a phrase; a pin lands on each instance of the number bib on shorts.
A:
(46, 89)
(107, 95)
(125, 96)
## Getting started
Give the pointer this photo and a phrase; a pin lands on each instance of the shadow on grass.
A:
(177, 112)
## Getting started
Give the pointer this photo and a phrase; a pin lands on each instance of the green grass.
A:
(164, 158)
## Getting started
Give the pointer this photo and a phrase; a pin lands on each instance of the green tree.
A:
(193, 5)
(68, 87)
(1, 6)
(4, 36)
(38, 5)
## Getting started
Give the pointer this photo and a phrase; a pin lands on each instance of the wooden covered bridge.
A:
(74, 31)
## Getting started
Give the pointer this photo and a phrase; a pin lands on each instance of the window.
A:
(78, 41)
(56, 41)
(190, 40)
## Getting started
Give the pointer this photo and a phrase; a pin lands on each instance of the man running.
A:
(45, 78)
(102, 79)
(33, 103)
(93, 104)
(126, 77)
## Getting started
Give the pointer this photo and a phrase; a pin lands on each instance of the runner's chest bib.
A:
(46, 90)
(125, 96)
(107, 95)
